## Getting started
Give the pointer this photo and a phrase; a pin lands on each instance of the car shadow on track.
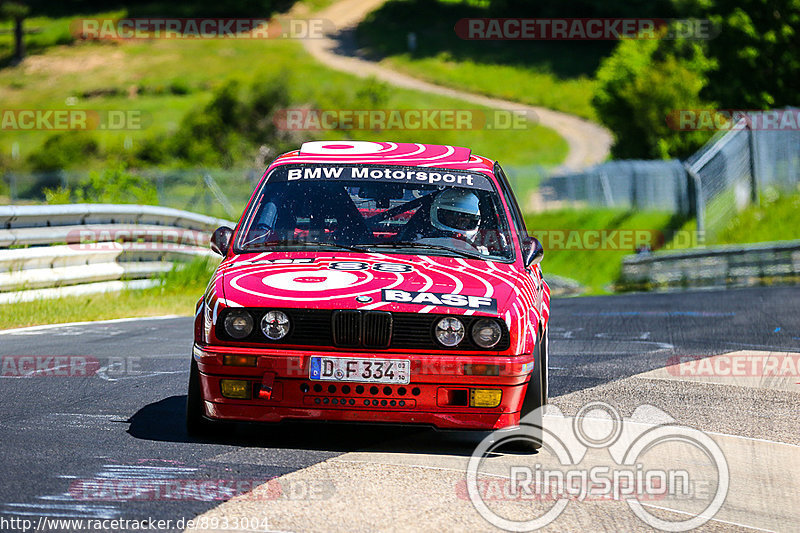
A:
(164, 421)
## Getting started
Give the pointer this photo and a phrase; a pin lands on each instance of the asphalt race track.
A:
(111, 444)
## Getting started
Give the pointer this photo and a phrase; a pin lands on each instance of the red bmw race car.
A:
(374, 282)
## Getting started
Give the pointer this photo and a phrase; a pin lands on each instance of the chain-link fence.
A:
(654, 185)
(777, 159)
(215, 192)
(734, 168)
(722, 172)
(761, 152)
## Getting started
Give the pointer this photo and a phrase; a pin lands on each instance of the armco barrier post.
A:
(752, 159)
(696, 201)
(12, 187)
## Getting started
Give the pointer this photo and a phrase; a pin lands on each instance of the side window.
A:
(516, 214)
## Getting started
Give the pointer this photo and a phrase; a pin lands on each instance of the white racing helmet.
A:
(458, 211)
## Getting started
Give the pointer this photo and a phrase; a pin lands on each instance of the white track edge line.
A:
(88, 322)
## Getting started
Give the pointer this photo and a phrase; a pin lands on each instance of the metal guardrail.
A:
(718, 266)
(91, 247)
(731, 171)
(29, 216)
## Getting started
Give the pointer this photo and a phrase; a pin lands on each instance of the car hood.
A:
(399, 283)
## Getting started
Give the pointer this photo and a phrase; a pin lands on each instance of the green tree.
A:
(17, 12)
(582, 8)
(640, 84)
(757, 50)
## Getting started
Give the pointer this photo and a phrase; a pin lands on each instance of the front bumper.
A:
(435, 396)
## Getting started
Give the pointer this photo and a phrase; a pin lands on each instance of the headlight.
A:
(486, 333)
(275, 325)
(449, 331)
(238, 323)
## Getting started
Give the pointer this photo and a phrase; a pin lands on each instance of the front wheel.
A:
(530, 416)
(197, 425)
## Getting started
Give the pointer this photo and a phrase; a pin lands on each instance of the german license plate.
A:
(360, 370)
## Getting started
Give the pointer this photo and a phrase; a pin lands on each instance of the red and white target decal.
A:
(330, 280)
(385, 150)
(408, 154)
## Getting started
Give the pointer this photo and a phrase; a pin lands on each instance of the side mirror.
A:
(534, 252)
(221, 240)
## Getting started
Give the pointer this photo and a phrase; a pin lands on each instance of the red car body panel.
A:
(331, 280)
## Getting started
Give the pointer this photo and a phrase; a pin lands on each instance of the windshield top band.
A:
(385, 174)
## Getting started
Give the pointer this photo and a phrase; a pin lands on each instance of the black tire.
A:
(544, 357)
(535, 397)
(197, 425)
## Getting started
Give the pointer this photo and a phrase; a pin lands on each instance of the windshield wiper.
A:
(287, 242)
(413, 244)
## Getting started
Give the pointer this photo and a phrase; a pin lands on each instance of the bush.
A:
(64, 150)
(151, 150)
(113, 185)
(372, 94)
(228, 126)
(640, 84)
(209, 137)
(267, 95)
(179, 87)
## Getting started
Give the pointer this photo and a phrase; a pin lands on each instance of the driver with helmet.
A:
(455, 216)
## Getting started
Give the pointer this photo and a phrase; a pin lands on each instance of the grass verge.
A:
(124, 304)
(177, 294)
(594, 258)
(775, 218)
(519, 84)
(554, 74)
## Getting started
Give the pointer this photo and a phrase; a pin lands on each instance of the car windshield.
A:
(368, 208)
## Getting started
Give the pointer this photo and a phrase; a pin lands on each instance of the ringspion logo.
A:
(598, 455)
